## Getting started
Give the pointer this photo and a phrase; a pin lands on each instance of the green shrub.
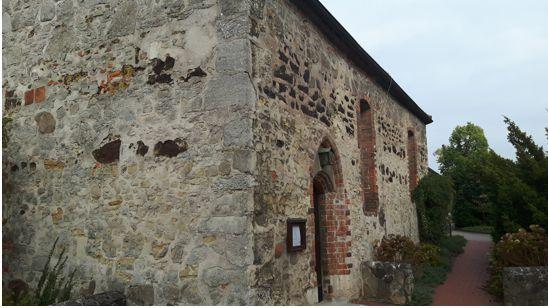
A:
(518, 249)
(454, 244)
(396, 248)
(52, 286)
(428, 254)
(433, 198)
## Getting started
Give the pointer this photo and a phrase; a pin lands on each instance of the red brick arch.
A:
(334, 222)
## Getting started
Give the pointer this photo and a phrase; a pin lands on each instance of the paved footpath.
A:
(464, 285)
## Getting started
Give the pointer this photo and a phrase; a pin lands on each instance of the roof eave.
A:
(338, 35)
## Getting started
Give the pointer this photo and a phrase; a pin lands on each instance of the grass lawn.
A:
(429, 276)
(478, 229)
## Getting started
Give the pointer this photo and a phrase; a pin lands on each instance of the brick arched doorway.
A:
(331, 221)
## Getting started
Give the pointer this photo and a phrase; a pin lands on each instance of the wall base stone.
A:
(525, 286)
(387, 282)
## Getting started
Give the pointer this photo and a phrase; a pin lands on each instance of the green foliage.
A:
(52, 286)
(433, 198)
(396, 248)
(428, 254)
(454, 244)
(461, 161)
(517, 189)
(518, 249)
(492, 190)
(478, 229)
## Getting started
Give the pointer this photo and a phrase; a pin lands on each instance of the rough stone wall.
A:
(309, 91)
(131, 141)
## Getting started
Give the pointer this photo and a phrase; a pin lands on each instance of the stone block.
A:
(387, 281)
(142, 295)
(237, 133)
(47, 10)
(111, 298)
(124, 20)
(525, 286)
(229, 90)
(234, 56)
(231, 225)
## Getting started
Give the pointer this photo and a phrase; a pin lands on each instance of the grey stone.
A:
(230, 7)
(47, 10)
(238, 133)
(132, 245)
(45, 122)
(235, 26)
(6, 22)
(244, 161)
(234, 56)
(111, 298)
(231, 225)
(141, 295)
(124, 19)
(190, 294)
(229, 90)
(177, 252)
(387, 281)
(171, 292)
(215, 276)
(62, 42)
(525, 286)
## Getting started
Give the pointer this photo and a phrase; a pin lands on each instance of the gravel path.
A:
(464, 285)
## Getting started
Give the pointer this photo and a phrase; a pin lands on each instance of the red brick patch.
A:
(279, 250)
(37, 95)
(29, 97)
(40, 95)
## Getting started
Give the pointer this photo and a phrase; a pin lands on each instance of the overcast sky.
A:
(461, 60)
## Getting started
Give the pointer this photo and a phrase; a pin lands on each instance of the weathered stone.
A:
(229, 90)
(188, 271)
(386, 281)
(234, 56)
(237, 133)
(142, 295)
(190, 294)
(231, 225)
(6, 22)
(57, 216)
(111, 298)
(47, 10)
(50, 164)
(45, 122)
(159, 249)
(204, 216)
(525, 286)
(244, 161)
(124, 19)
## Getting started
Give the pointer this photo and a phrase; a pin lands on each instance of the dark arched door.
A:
(321, 186)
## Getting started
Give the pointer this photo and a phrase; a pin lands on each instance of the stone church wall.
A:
(130, 140)
(166, 144)
(309, 91)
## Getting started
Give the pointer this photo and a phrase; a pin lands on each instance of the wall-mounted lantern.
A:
(296, 235)
(326, 157)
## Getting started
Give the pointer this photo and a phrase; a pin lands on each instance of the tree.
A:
(462, 161)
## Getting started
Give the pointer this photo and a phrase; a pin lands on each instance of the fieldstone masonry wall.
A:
(166, 144)
(131, 142)
(308, 90)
